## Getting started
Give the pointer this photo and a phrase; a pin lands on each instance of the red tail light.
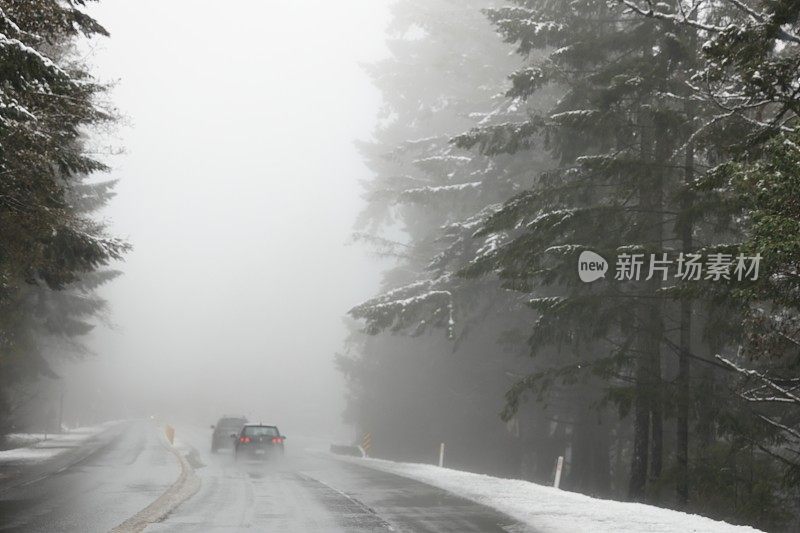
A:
(244, 439)
(277, 440)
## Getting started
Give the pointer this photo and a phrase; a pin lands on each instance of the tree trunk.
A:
(641, 437)
(653, 333)
(644, 318)
(602, 460)
(590, 457)
(684, 362)
(657, 421)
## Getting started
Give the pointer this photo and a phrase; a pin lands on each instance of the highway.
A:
(90, 489)
(307, 491)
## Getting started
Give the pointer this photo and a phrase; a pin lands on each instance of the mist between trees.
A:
(514, 137)
(517, 135)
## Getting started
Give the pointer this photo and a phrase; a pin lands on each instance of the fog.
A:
(238, 189)
(549, 246)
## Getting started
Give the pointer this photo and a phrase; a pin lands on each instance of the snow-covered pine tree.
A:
(422, 181)
(445, 75)
(746, 76)
(623, 132)
(749, 71)
(49, 242)
(629, 135)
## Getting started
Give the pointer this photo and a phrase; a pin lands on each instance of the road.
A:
(91, 490)
(306, 492)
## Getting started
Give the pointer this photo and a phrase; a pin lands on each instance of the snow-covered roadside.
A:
(33, 447)
(551, 510)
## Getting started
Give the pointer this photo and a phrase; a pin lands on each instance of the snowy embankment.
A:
(33, 447)
(552, 510)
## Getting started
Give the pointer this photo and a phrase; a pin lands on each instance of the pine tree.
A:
(446, 74)
(750, 63)
(641, 161)
(49, 241)
(626, 141)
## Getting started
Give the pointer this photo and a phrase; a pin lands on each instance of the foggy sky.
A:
(238, 191)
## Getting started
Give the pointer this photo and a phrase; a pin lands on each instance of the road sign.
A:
(366, 443)
(169, 432)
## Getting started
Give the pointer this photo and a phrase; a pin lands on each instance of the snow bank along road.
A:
(553, 510)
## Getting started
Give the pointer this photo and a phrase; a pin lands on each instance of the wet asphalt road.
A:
(313, 492)
(306, 492)
(90, 490)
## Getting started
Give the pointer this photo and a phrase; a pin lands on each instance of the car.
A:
(223, 429)
(258, 441)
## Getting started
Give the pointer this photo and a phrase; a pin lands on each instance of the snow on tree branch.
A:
(687, 16)
(415, 306)
(773, 385)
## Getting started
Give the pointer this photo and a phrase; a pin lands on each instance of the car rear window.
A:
(261, 431)
(232, 423)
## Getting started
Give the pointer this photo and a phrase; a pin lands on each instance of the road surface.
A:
(90, 489)
(306, 492)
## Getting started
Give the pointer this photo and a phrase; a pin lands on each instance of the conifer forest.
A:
(490, 265)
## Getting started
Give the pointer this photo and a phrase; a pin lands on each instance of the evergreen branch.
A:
(650, 12)
(770, 383)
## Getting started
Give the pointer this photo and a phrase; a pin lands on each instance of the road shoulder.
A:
(186, 486)
(24, 466)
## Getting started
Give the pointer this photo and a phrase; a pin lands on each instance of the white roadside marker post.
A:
(559, 466)
(441, 455)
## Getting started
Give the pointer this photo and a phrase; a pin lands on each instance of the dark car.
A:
(258, 441)
(223, 429)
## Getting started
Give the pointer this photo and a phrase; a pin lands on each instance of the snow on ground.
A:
(26, 455)
(553, 510)
(32, 447)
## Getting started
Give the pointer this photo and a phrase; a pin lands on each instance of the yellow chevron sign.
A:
(366, 443)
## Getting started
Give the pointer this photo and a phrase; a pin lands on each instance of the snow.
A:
(564, 213)
(413, 300)
(400, 292)
(553, 510)
(34, 447)
(32, 454)
(424, 192)
(791, 144)
(10, 24)
(575, 114)
(491, 244)
(32, 54)
(459, 159)
(540, 27)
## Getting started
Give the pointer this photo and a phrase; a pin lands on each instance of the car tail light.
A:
(277, 440)
(244, 439)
